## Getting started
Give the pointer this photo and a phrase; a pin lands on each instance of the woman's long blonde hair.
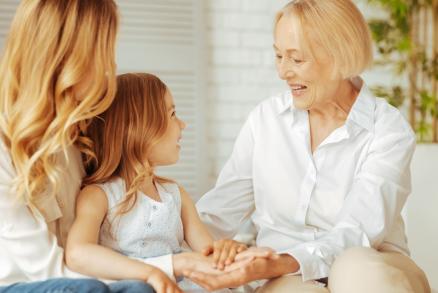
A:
(124, 134)
(52, 47)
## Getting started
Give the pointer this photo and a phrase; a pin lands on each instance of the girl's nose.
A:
(182, 124)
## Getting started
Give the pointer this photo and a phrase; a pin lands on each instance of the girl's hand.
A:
(161, 282)
(224, 252)
(187, 262)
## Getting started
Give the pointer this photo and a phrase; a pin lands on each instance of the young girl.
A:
(126, 215)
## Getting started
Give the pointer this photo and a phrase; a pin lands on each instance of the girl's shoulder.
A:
(171, 188)
(114, 190)
(170, 191)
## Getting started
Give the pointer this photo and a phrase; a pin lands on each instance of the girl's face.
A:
(309, 76)
(166, 150)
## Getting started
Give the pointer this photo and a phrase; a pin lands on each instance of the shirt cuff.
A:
(312, 266)
(164, 263)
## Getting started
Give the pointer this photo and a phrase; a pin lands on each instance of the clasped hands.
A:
(226, 263)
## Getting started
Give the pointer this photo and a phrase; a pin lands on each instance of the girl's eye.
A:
(278, 56)
(173, 114)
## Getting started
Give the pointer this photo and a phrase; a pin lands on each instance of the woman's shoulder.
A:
(390, 119)
(269, 109)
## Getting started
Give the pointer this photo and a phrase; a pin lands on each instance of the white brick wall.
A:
(241, 69)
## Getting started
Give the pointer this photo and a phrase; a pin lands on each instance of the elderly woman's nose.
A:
(284, 69)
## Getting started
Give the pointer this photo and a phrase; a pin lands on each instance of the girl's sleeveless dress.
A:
(150, 229)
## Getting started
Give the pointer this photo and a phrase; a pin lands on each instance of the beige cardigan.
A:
(32, 241)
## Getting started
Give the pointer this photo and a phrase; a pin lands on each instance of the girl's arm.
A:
(85, 255)
(199, 238)
(195, 233)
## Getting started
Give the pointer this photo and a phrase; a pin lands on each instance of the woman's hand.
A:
(247, 256)
(187, 262)
(257, 252)
(161, 282)
(224, 252)
(246, 270)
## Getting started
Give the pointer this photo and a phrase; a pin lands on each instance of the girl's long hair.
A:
(124, 134)
(52, 47)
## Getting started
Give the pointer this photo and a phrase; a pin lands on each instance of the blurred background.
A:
(216, 57)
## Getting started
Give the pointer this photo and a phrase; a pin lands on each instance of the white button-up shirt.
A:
(349, 192)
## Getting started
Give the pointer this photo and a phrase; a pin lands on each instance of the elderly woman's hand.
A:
(256, 252)
(187, 262)
(224, 252)
(252, 264)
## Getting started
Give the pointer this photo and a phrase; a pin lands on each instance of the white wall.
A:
(241, 69)
(422, 213)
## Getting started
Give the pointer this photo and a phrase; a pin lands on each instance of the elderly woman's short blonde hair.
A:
(338, 27)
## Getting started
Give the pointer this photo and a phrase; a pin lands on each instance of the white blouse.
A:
(349, 192)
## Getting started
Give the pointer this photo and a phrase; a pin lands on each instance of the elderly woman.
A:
(322, 168)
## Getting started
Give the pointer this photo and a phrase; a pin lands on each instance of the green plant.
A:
(407, 40)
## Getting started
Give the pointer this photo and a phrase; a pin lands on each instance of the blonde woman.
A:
(323, 168)
(56, 72)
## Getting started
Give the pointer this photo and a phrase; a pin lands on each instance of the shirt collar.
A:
(286, 103)
(362, 112)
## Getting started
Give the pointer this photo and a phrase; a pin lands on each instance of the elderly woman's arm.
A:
(372, 206)
(231, 202)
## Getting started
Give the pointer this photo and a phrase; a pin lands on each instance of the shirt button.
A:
(154, 208)
(149, 224)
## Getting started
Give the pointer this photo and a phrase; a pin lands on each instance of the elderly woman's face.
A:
(308, 75)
